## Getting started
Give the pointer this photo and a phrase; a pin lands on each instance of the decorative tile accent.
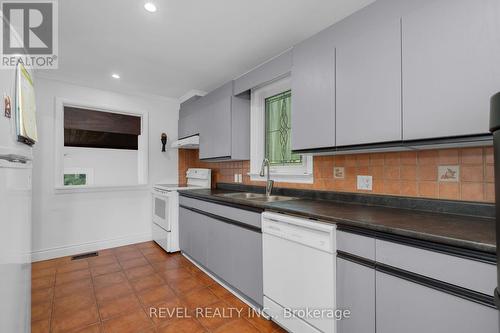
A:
(339, 173)
(448, 173)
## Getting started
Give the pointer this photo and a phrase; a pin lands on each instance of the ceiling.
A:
(186, 44)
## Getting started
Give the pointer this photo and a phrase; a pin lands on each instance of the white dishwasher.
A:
(299, 272)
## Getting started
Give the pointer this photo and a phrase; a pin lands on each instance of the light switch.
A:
(365, 183)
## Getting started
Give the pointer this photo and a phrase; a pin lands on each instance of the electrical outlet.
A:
(240, 178)
(235, 177)
(365, 183)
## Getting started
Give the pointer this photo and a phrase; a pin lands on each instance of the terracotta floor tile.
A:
(138, 272)
(185, 285)
(42, 295)
(128, 323)
(147, 282)
(38, 273)
(152, 250)
(113, 291)
(204, 279)
(146, 245)
(219, 291)
(129, 255)
(76, 265)
(72, 320)
(176, 274)
(41, 311)
(217, 314)
(105, 269)
(200, 298)
(118, 306)
(80, 286)
(44, 264)
(156, 295)
(62, 278)
(239, 304)
(41, 326)
(262, 324)
(102, 260)
(95, 328)
(43, 282)
(187, 325)
(126, 264)
(106, 252)
(106, 280)
(167, 264)
(157, 257)
(74, 302)
(172, 309)
(124, 248)
(240, 326)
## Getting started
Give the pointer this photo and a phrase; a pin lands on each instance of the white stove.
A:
(166, 207)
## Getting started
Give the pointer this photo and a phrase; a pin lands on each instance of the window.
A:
(98, 147)
(271, 135)
(278, 131)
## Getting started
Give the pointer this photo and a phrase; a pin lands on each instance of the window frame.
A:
(143, 148)
(288, 173)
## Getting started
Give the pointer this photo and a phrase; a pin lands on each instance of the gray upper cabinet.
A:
(265, 73)
(222, 117)
(313, 93)
(189, 119)
(368, 84)
(450, 67)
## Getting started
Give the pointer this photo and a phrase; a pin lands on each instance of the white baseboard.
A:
(69, 250)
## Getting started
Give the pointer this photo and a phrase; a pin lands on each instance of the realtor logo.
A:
(29, 34)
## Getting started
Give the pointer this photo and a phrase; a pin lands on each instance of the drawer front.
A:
(358, 245)
(470, 274)
(232, 213)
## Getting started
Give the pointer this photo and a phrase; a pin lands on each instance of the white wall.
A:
(110, 167)
(70, 223)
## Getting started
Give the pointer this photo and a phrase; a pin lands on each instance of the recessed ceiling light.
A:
(150, 7)
(115, 76)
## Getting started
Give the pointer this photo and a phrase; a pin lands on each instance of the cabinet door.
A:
(369, 86)
(313, 93)
(218, 249)
(215, 130)
(450, 67)
(193, 235)
(246, 248)
(188, 125)
(185, 230)
(356, 293)
(404, 306)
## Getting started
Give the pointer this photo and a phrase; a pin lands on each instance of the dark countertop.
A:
(475, 233)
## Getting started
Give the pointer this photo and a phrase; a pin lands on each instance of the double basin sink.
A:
(256, 197)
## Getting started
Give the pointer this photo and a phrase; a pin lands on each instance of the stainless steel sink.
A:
(273, 198)
(256, 197)
(244, 195)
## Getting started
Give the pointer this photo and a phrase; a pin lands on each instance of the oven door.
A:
(161, 209)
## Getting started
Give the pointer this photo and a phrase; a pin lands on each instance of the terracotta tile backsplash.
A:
(413, 174)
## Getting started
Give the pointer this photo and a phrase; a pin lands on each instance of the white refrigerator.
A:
(15, 219)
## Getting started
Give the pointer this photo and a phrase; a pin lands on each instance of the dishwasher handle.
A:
(317, 235)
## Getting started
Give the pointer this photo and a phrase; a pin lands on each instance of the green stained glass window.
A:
(278, 131)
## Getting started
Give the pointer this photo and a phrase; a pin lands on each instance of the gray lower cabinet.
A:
(450, 67)
(405, 306)
(356, 293)
(313, 93)
(193, 235)
(369, 85)
(231, 252)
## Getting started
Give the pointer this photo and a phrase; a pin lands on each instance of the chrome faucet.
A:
(269, 183)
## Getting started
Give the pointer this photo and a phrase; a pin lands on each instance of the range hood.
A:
(191, 142)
